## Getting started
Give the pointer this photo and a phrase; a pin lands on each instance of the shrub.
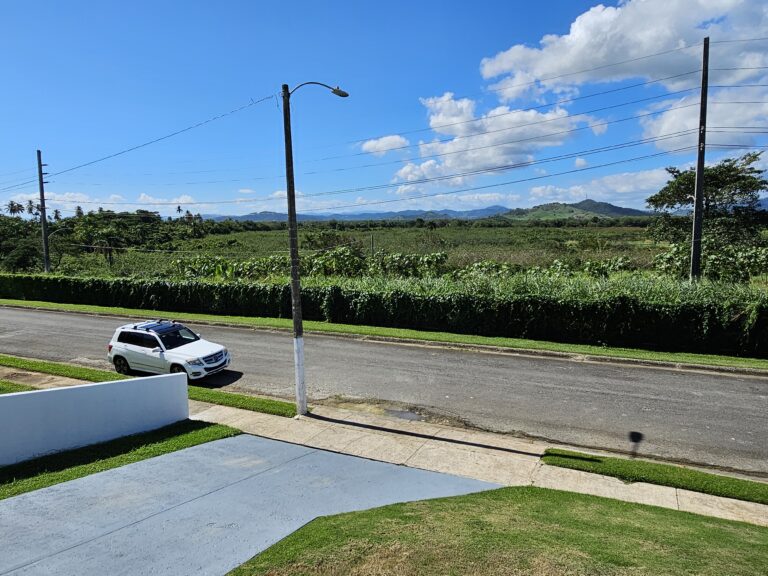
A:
(624, 310)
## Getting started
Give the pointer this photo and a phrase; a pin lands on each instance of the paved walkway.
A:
(483, 456)
(202, 510)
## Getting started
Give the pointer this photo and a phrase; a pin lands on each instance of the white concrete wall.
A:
(36, 423)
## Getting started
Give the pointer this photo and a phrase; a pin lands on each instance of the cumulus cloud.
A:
(627, 188)
(580, 163)
(727, 108)
(380, 146)
(499, 140)
(604, 35)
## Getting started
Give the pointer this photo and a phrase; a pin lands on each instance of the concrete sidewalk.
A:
(482, 456)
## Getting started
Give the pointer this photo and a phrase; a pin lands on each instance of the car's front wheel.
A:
(176, 369)
(121, 365)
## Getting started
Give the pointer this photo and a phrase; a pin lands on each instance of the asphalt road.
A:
(701, 417)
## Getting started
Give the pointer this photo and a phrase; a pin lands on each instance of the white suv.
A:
(163, 346)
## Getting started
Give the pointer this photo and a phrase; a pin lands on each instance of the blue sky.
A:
(449, 86)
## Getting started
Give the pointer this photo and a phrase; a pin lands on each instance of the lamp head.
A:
(339, 92)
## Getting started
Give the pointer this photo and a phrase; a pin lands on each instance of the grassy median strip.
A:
(7, 387)
(405, 334)
(64, 466)
(59, 369)
(522, 530)
(662, 474)
(253, 403)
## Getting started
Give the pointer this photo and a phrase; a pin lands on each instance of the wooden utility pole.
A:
(43, 219)
(698, 199)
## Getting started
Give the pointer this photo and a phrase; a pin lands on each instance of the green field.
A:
(523, 246)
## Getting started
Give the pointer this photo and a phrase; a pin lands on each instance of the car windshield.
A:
(176, 338)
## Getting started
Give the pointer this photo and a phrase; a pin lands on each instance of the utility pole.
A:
(293, 238)
(43, 219)
(698, 200)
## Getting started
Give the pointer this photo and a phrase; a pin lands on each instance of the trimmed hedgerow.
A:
(631, 310)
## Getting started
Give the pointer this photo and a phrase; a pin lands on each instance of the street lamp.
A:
(298, 328)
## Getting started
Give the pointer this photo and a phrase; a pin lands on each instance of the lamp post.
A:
(293, 237)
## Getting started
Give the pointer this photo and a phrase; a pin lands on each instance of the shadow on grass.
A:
(95, 452)
(579, 458)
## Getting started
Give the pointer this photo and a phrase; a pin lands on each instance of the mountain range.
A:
(555, 210)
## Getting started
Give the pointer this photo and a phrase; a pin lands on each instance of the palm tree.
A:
(30, 207)
(57, 215)
(178, 209)
(13, 208)
(78, 212)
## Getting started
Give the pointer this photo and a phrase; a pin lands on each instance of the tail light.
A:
(109, 347)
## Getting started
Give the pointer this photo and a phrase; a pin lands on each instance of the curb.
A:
(486, 348)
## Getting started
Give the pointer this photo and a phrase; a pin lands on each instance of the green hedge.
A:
(632, 311)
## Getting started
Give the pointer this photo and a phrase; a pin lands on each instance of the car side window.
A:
(149, 341)
(130, 338)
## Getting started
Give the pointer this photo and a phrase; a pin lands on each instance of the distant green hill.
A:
(586, 209)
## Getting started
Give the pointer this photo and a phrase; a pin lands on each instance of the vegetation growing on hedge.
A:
(628, 310)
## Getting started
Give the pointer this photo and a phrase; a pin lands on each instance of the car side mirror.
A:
(157, 349)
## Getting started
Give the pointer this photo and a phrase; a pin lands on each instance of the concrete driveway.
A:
(203, 510)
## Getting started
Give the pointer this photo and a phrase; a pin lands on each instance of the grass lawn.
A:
(515, 531)
(405, 334)
(63, 466)
(10, 387)
(663, 474)
(256, 404)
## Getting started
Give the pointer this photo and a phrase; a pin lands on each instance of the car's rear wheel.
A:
(121, 365)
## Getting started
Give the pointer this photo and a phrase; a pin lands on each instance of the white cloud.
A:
(501, 139)
(380, 146)
(719, 116)
(580, 163)
(626, 189)
(604, 35)
(630, 32)
(150, 200)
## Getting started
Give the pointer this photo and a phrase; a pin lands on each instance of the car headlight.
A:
(196, 362)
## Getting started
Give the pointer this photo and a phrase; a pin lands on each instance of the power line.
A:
(601, 67)
(505, 143)
(471, 149)
(505, 167)
(498, 168)
(738, 40)
(740, 68)
(171, 135)
(487, 186)
(149, 142)
(465, 150)
(562, 118)
(558, 103)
